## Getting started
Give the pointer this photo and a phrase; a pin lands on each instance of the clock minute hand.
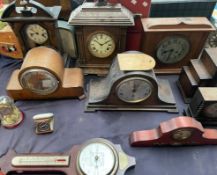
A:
(106, 42)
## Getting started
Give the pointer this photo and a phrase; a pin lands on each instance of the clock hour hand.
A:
(98, 43)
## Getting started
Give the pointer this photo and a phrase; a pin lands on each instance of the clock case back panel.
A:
(46, 17)
(194, 31)
(87, 60)
(201, 101)
(103, 92)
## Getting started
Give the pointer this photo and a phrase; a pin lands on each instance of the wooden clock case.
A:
(194, 29)
(112, 20)
(200, 72)
(203, 106)
(103, 92)
(20, 16)
(69, 165)
(70, 79)
(179, 131)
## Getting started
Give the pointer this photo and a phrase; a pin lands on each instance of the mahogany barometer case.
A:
(174, 41)
(131, 85)
(101, 34)
(203, 106)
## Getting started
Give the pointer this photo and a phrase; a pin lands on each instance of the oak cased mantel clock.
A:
(33, 24)
(94, 157)
(43, 76)
(174, 41)
(131, 85)
(203, 106)
(101, 34)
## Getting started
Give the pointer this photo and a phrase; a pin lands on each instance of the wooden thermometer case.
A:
(174, 41)
(175, 132)
(64, 82)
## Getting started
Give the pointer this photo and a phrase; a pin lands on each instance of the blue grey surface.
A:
(73, 126)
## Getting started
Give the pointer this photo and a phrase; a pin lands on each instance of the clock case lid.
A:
(125, 161)
(89, 13)
(102, 92)
(34, 12)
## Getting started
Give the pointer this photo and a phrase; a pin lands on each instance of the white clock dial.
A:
(134, 90)
(97, 159)
(172, 49)
(37, 33)
(101, 45)
(211, 111)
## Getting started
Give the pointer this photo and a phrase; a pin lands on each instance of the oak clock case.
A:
(96, 156)
(101, 34)
(33, 24)
(43, 76)
(203, 106)
(174, 41)
(131, 85)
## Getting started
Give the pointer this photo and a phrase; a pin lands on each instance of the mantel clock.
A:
(101, 34)
(33, 24)
(94, 157)
(131, 85)
(174, 41)
(43, 76)
(203, 106)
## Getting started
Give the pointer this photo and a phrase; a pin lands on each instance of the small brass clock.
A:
(101, 44)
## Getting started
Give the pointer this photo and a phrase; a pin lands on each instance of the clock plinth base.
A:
(167, 71)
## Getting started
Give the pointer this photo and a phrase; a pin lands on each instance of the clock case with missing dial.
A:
(202, 99)
(124, 162)
(102, 92)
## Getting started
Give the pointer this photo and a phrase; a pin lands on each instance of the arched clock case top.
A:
(103, 92)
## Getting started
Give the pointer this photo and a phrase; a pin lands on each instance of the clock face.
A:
(39, 81)
(182, 134)
(134, 90)
(37, 33)
(172, 49)
(97, 159)
(211, 111)
(101, 45)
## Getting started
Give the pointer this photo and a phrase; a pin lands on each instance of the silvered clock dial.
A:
(182, 134)
(39, 81)
(134, 90)
(97, 158)
(211, 111)
(101, 45)
(37, 33)
(172, 49)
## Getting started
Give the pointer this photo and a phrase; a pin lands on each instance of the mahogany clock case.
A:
(174, 41)
(24, 22)
(203, 106)
(30, 82)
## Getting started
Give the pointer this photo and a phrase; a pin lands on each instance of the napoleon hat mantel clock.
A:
(43, 76)
(131, 85)
(94, 157)
(101, 34)
(33, 24)
(174, 41)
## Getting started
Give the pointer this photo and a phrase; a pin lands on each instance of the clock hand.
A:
(106, 42)
(98, 43)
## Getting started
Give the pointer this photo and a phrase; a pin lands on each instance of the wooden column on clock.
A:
(101, 34)
(33, 24)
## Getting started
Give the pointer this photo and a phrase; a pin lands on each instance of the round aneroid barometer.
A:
(41, 71)
(97, 157)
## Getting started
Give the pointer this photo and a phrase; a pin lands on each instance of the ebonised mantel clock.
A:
(174, 41)
(33, 24)
(101, 34)
(131, 85)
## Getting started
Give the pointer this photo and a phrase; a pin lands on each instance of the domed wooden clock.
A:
(174, 41)
(203, 106)
(131, 85)
(101, 34)
(33, 24)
